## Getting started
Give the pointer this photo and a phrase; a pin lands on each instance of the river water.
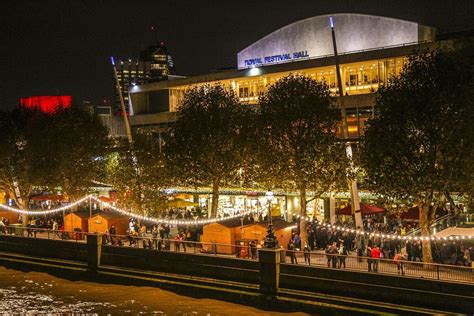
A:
(38, 293)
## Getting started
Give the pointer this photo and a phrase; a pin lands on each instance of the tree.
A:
(22, 161)
(76, 144)
(419, 146)
(49, 150)
(139, 175)
(297, 132)
(207, 143)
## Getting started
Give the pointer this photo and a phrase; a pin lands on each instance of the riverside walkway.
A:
(410, 269)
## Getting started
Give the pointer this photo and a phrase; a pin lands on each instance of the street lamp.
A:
(270, 239)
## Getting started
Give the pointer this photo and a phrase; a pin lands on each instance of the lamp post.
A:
(270, 239)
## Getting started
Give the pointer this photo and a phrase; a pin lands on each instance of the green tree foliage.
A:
(63, 149)
(206, 145)
(139, 175)
(23, 163)
(299, 149)
(75, 143)
(420, 145)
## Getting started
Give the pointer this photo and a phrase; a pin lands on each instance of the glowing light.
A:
(331, 22)
(46, 103)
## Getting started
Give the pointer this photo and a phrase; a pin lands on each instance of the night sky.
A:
(63, 47)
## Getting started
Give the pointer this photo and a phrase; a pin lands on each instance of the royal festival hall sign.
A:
(255, 62)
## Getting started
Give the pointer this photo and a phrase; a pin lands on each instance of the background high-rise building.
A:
(129, 72)
(161, 63)
(154, 65)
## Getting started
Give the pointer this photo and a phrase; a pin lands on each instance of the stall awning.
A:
(366, 209)
(107, 199)
(180, 203)
(414, 214)
(50, 197)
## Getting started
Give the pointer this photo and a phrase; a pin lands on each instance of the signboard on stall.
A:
(276, 211)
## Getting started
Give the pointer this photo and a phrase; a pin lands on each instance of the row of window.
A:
(357, 78)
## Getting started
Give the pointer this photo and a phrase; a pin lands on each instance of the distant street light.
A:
(270, 239)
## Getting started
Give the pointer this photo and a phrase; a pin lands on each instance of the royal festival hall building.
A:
(371, 49)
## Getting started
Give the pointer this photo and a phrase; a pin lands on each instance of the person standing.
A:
(177, 242)
(112, 233)
(368, 254)
(375, 258)
(183, 239)
(342, 255)
(291, 249)
(333, 252)
(253, 249)
(307, 254)
(55, 229)
(398, 261)
(154, 236)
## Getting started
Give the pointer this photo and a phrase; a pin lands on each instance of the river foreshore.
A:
(39, 293)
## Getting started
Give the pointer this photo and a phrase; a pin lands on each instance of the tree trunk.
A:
(215, 198)
(425, 231)
(332, 208)
(303, 232)
(20, 202)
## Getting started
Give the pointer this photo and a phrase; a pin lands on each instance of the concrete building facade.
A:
(371, 48)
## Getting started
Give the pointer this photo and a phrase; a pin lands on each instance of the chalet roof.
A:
(278, 224)
(231, 223)
(110, 215)
(235, 222)
(84, 214)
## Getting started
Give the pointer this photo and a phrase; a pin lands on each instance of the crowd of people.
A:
(335, 243)
(156, 237)
(329, 239)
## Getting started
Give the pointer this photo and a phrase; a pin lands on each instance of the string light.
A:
(51, 211)
(321, 225)
(214, 220)
(168, 221)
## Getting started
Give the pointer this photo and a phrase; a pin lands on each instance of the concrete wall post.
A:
(94, 251)
(269, 260)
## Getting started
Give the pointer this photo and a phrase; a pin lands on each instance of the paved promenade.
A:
(313, 259)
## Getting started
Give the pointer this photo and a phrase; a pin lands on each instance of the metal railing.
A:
(404, 268)
(443, 222)
(383, 266)
(43, 233)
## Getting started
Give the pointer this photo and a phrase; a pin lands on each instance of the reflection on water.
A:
(38, 293)
(15, 302)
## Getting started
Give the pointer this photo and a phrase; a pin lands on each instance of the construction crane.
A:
(345, 132)
(122, 103)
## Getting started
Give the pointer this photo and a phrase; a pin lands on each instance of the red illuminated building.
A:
(47, 103)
